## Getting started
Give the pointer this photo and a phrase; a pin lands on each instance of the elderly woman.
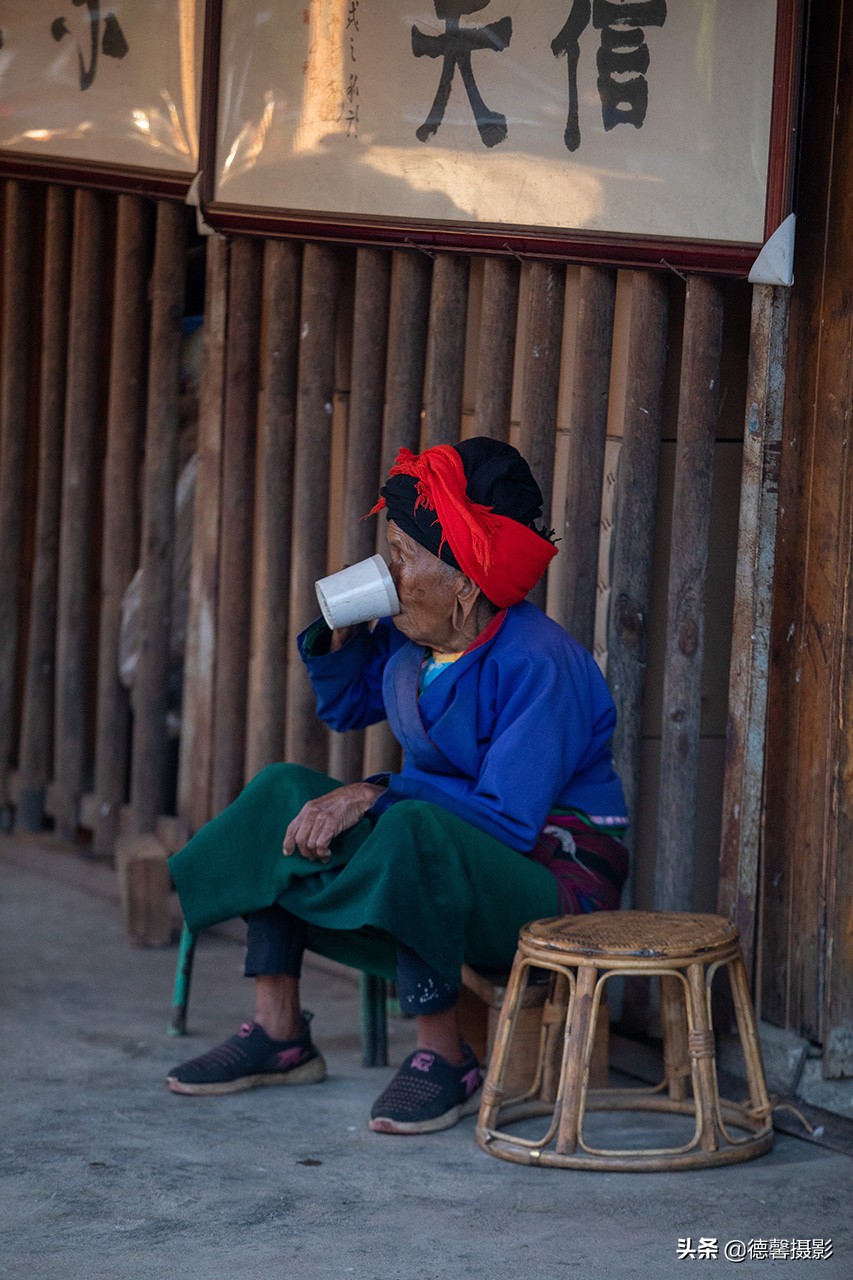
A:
(506, 808)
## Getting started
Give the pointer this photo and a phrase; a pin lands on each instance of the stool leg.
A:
(749, 1042)
(676, 1057)
(576, 1061)
(374, 1021)
(554, 1015)
(183, 979)
(700, 1042)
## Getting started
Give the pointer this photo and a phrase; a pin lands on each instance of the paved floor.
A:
(107, 1176)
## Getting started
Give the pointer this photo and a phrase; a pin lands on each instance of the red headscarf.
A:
(502, 556)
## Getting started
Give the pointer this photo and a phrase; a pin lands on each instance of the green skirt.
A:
(418, 875)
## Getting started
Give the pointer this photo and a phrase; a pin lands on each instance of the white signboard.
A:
(114, 85)
(602, 118)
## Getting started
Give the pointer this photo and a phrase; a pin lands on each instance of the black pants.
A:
(276, 944)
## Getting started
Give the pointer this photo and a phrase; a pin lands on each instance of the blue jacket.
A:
(518, 726)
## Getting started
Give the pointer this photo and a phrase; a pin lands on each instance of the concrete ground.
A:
(107, 1176)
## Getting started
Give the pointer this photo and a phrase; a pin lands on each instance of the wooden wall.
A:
(807, 875)
(624, 389)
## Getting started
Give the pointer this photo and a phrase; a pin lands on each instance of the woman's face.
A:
(426, 590)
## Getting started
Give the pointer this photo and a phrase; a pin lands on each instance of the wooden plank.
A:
(408, 338)
(237, 517)
(120, 543)
(196, 747)
(79, 479)
(498, 319)
(364, 444)
(685, 619)
(802, 715)
(747, 715)
(14, 393)
(446, 351)
(408, 329)
(307, 739)
(148, 776)
(271, 570)
(541, 384)
(576, 567)
(634, 526)
(36, 742)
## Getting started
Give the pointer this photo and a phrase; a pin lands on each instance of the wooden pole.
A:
(276, 444)
(542, 381)
(196, 748)
(408, 337)
(79, 477)
(576, 566)
(634, 526)
(148, 779)
(685, 619)
(14, 391)
(238, 509)
(743, 791)
(307, 739)
(36, 745)
(120, 548)
(364, 444)
(446, 351)
(408, 329)
(497, 347)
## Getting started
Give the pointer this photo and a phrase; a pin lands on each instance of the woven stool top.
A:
(633, 933)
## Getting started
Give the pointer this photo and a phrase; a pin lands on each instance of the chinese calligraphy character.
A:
(622, 59)
(821, 1248)
(350, 108)
(685, 1249)
(707, 1247)
(113, 43)
(456, 46)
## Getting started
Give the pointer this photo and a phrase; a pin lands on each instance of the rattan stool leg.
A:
(554, 1016)
(700, 1040)
(749, 1042)
(576, 1060)
(493, 1090)
(676, 1056)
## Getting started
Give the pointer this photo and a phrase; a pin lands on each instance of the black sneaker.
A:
(248, 1059)
(428, 1093)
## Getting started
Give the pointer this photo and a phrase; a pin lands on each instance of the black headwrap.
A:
(496, 475)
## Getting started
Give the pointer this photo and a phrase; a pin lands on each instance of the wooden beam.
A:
(635, 508)
(237, 519)
(747, 713)
(120, 543)
(685, 617)
(495, 365)
(446, 352)
(408, 328)
(148, 777)
(14, 395)
(364, 444)
(274, 500)
(36, 743)
(196, 749)
(307, 738)
(576, 567)
(541, 386)
(79, 479)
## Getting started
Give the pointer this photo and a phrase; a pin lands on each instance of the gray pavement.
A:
(104, 1175)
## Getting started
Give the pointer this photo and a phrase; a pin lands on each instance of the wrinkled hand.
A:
(319, 821)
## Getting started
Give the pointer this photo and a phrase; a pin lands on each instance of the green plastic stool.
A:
(374, 1004)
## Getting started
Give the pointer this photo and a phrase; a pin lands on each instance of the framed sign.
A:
(616, 130)
(105, 92)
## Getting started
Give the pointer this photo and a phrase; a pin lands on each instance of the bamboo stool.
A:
(684, 951)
